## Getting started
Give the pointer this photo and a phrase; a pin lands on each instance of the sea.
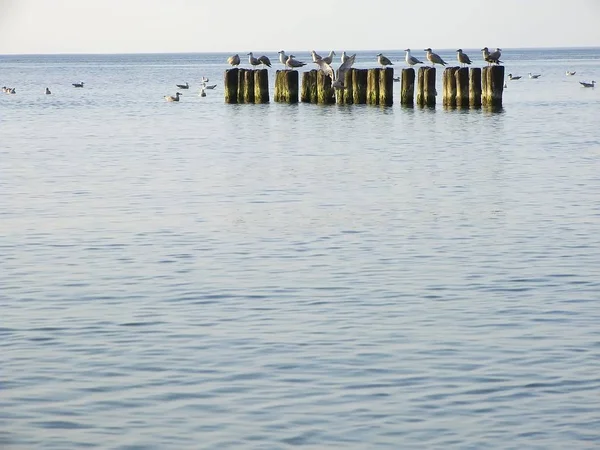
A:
(199, 275)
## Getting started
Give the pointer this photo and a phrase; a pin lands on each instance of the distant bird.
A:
(337, 82)
(534, 76)
(234, 60)
(491, 58)
(570, 74)
(434, 58)
(48, 91)
(587, 85)
(505, 85)
(513, 78)
(265, 61)
(79, 85)
(252, 60)
(294, 63)
(315, 56)
(329, 59)
(183, 86)
(210, 86)
(344, 57)
(282, 58)
(202, 92)
(205, 80)
(463, 59)
(383, 60)
(396, 79)
(171, 98)
(9, 90)
(410, 59)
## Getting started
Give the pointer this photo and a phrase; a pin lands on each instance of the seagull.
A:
(183, 86)
(265, 61)
(511, 77)
(434, 58)
(384, 61)
(344, 57)
(463, 59)
(252, 60)
(202, 92)
(315, 56)
(494, 57)
(205, 80)
(171, 98)
(282, 58)
(396, 79)
(337, 82)
(329, 59)
(534, 77)
(234, 60)
(570, 74)
(210, 86)
(294, 63)
(411, 60)
(583, 83)
(78, 84)
(48, 91)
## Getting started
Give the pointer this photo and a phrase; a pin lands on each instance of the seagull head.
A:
(459, 50)
(250, 54)
(485, 49)
(281, 52)
(407, 49)
(498, 49)
(427, 50)
(379, 54)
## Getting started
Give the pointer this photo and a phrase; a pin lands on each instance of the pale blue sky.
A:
(127, 26)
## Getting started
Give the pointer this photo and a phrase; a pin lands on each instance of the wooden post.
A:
(231, 85)
(261, 86)
(359, 86)
(286, 86)
(346, 96)
(492, 86)
(426, 86)
(462, 87)
(373, 86)
(475, 87)
(241, 84)
(449, 85)
(309, 87)
(249, 86)
(407, 95)
(325, 93)
(386, 86)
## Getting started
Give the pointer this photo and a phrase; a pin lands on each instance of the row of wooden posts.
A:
(462, 87)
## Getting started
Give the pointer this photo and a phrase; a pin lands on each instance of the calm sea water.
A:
(210, 276)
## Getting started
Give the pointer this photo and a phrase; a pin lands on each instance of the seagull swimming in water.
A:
(570, 74)
(463, 59)
(48, 91)
(511, 77)
(383, 60)
(410, 59)
(534, 76)
(78, 85)
(234, 60)
(183, 86)
(587, 85)
(173, 98)
(337, 82)
(434, 58)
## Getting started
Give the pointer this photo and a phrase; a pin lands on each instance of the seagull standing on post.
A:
(434, 58)
(293, 63)
(265, 61)
(463, 59)
(234, 60)
(384, 61)
(410, 59)
(329, 59)
(252, 60)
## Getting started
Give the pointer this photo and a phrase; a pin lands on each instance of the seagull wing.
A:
(326, 68)
(345, 67)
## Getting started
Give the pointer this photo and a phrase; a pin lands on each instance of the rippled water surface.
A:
(210, 276)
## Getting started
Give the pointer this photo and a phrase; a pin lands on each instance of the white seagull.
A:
(383, 60)
(570, 74)
(234, 60)
(315, 56)
(587, 85)
(410, 59)
(252, 60)
(534, 76)
(337, 82)
(329, 59)
(294, 63)
(434, 58)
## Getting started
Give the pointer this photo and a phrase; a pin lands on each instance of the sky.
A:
(156, 26)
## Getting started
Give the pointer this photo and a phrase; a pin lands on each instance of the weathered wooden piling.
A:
(249, 86)
(261, 86)
(325, 93)
(492, 86)
(241, 84)
(449, 86)
(462, 87)
(286, 86)
(359, 86)
(475, 87)
(373, 86)
(231, 85)
(386, 86)
(407, 94)
(308, 93)
(346, 96)
(426, 86)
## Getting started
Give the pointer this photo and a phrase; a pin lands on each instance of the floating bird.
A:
(329, 59)
(337, 82)
(282, 58)
(570, 74)
(202, 92)
(8, 90)
(505, 85)
(396, 79)
(463, 59)
(252, 60)
(411, 60)
(205, 80)
(79, 85)
(511, 77)
(434, 58)
(294, 63)
(210, 86)
(183, 86)
(384, 61)
(315, 56)
(534, 76)
(171, 98)
(265, 61)
(234, 60)
(48, 91)
(587, 85)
